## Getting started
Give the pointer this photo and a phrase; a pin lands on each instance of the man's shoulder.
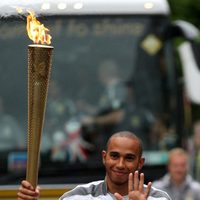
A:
(158, 194)
(162, 183)
(94, 188)
(195, 185)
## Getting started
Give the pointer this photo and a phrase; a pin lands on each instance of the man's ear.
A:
(141, 163)
(103, 154)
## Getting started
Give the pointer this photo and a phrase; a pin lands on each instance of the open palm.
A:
(136, 188)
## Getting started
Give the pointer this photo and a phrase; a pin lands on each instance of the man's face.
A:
(122, 157)
(178, 167)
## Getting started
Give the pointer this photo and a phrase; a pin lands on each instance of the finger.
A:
(118, 196)
(141, 182)
(130, 182)
(136, 180)
(27, 193)
(25, 197)
(27, 185)
(148, 189)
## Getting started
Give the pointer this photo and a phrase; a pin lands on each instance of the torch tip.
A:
(40, 46)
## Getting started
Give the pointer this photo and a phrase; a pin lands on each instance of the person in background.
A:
(177, 182)
(129, 116)
(194, 150)
(101, 118)
(122, 160)
(112, 91)
(134, 117)
(63, 136)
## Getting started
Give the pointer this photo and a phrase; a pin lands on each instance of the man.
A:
(194, 151)
(177, 182)
(123, 160)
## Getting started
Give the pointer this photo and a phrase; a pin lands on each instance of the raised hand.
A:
(136, 190)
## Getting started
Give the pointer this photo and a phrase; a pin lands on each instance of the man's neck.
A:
(121, 189)
(177, 183)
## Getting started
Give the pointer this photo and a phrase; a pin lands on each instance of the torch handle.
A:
(39, 68)
(34, 135)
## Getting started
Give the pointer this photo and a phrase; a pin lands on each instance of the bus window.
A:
(109, 73)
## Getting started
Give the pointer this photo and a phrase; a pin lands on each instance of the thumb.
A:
(37, 191)
(118, 196)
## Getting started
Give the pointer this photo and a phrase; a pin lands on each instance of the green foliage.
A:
(186, 10)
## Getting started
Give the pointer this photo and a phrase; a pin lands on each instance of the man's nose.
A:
(121, 163)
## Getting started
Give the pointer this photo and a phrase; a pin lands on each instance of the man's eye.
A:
(114, 156)
(130, 158)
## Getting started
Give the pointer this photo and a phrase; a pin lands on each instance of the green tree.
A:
(186, 9)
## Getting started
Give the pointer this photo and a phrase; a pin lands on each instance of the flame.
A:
(37, 31)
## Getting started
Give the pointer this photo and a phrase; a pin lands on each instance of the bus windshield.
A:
(109, 73)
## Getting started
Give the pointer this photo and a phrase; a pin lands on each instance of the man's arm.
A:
(27, 192)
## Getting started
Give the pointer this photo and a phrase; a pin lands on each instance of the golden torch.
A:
(39, 68)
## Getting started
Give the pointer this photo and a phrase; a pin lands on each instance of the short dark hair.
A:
(126, 134)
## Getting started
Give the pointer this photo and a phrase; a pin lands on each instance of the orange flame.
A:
(37, 32)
